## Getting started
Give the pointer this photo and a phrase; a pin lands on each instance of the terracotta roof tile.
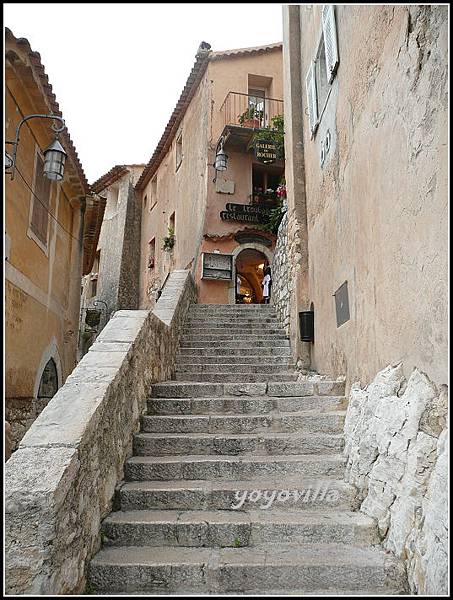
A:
(241, 51)
(35, 61)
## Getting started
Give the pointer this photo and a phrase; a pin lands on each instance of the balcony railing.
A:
(245, 110)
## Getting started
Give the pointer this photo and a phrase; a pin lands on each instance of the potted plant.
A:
(169, 240)
(251, 118)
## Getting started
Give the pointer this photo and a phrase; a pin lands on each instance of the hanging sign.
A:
(265, 151)
(245, 212)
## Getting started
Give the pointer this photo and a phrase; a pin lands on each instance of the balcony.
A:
(243, 114)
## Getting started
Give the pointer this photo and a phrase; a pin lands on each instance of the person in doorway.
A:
(239, 297)
(266, 285)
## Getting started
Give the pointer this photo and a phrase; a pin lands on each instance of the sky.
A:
(118, 69)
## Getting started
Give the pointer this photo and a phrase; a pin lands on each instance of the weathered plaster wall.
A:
(377, 209)
(396, 446)
(60, 482)
(40, 305)
(181, 191)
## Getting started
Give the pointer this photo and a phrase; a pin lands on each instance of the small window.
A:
(153, 200)
(152, 253)
(48, 385)
(171, 223)
(178, 151)
(40, 202)
(94, 287)
(144, 201)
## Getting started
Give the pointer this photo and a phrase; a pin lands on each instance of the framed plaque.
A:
(217, 266)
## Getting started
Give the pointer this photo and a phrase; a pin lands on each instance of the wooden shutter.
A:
(40, 214)
(312, 101)
(330, 40)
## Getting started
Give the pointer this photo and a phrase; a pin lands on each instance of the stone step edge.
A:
(272, 389)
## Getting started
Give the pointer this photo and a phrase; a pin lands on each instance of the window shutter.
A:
(312, 101)
(40, 215)
(330, 40)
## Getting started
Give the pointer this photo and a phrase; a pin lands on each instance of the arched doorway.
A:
(249, 268)
(48, 386)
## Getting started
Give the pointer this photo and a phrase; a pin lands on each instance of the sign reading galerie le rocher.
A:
(265, 151)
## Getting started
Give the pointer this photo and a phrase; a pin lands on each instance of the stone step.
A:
(243, 405)
(234, 529)
(245, 339)
(193, 359)
(233, 329)
(243, 307)
(243, 367)
(199, 312)
(178, 389)
(301, 421)
(239, 376)
(262, 494)
(259, 319)
(237, 352)
(273, 443)
(270, 566)
(143, 468)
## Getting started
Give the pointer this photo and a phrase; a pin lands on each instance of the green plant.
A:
(170, 240)
(274, 133)
(237, 543)
(274, 218)
(250, 114)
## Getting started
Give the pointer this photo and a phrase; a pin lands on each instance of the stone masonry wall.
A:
(59, 484)
(396, 445)
(286, 272)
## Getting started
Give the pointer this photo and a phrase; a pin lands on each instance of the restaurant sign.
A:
(245, 212)
(265, 151)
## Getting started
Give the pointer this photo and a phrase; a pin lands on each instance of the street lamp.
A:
(54, 155)
(221, 159)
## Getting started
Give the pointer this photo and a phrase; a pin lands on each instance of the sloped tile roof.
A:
(38, 67)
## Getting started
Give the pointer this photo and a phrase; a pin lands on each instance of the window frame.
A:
(178, 150)
(30, 232)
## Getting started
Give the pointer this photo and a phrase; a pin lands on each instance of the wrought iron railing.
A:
(246, 110)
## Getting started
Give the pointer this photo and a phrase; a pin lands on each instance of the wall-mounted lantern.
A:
(54, 155)
(221, 159)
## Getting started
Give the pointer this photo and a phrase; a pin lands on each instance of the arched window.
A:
(48, 385)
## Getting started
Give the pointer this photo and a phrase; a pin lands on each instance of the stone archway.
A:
(268, 254)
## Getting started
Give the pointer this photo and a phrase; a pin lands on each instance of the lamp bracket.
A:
(57, 129)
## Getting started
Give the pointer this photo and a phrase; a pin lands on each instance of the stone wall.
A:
(60, 482)
(129, 277)
(396, 445)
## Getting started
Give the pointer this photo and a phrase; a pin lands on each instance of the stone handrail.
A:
(60, 483)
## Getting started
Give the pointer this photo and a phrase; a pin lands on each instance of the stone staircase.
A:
(236, 482)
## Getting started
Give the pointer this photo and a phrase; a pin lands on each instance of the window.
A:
(95, 274)
(152, 253)
(48, 385)
(256, 101)
(322, 69)
(144, 201)
(178, 151)
(153, 200)
(40, 202)
(171, 223)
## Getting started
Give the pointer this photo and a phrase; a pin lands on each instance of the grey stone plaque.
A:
(217, 266)
(342, 304)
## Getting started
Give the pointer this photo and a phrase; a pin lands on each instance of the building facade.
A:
(112, 283)
(364, 245)
(199, 218)
(51, 231)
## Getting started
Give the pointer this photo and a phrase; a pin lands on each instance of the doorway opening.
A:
(250, 264)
